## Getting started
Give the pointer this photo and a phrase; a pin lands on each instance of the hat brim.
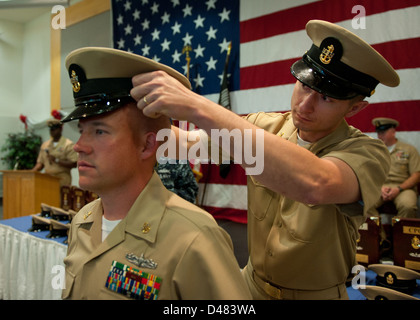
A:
(320, 82)
(96, 108)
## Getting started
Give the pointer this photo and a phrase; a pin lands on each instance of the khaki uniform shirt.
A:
(312, 247)
(193, 255)
(63, 151)
(405, 161)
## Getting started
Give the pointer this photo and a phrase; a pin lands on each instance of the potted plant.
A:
(21, 150)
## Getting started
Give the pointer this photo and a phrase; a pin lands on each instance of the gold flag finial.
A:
(187, 50)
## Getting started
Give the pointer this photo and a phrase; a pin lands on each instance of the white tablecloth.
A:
(30, 267)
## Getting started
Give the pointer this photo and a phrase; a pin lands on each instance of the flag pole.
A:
(197, 165)
(187, 50)
(224, 100)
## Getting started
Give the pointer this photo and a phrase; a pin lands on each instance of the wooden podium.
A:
(25, 190)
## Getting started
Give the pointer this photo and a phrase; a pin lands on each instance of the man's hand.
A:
(157, 93)
(389, 194)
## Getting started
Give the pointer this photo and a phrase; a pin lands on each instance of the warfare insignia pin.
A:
(75, 81)
(141, 261)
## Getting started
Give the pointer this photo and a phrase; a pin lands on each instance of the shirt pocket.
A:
(308, 223)
(261, 200)
(401, 166)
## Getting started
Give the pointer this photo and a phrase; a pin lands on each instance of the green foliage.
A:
(21, 148)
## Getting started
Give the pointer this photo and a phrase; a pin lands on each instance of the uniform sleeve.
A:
(208, 269)
(69, 152)
(370, 161)
(414, 161)
(41, 154)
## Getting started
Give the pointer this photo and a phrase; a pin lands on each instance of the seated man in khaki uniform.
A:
(56, 155)
(320, 175)
(138, 240)
(400, 186)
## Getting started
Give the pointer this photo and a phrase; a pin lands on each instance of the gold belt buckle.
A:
(273, 291)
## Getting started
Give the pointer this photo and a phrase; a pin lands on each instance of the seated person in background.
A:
(137, 231)
(400, 186)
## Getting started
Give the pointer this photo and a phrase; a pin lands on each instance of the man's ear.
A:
(356, 108)
(150, 146)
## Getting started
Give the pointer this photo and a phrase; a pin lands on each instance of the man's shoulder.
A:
(66, 141)
(179, 208)
(87, 210)
(269, 121)
(406, 146)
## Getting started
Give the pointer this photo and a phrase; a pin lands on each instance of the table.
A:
(31, 265)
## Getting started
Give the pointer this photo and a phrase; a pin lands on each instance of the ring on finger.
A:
(145, 100)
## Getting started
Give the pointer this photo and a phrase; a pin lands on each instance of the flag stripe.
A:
(291, 44)
(211, 174)
(406, 112)
(295, 18)
(401, 54)
(267, 75)
(232, 196)
(251, 9)
(235, 215)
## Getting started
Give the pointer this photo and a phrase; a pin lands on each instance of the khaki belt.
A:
(279, 293)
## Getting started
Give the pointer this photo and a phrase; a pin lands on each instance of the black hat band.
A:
(384, 127)
(106, 89)
(389, 280)
(341, 74)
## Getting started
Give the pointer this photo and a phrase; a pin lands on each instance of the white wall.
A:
(11, 55)
(25, 80)
(25, 74)
(36, 73)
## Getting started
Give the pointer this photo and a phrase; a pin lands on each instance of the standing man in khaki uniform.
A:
(138, 240)
(404, 175)
(57, 156)
(320, 176)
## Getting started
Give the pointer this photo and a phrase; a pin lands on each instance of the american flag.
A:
(267, 37)
(170, 31)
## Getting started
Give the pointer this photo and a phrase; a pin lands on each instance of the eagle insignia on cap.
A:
(75, 81)
(390, 279)
(327, 54)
